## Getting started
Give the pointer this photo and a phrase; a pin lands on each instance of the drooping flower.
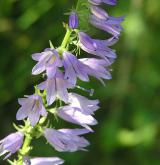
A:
(31, 107)
(110, 25)
(46, 161)
(86, 42)
(105, 43)
(98, 2)
(74, 68)
(73, 20)
(101, 20)
(66, 140)
(87, 106)
(96, 47)
(56, 87)
(77, 116)
(48, 60)
(11, 144)
(97, 68)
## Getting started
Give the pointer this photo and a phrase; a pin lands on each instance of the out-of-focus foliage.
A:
(128, 129)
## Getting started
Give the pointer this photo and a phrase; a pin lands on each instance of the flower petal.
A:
(38, 68)
(46, 161)
(51, 91)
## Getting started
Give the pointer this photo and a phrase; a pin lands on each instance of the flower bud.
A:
(73, 20)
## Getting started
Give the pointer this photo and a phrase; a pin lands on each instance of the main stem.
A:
(26, 144)
(66, 38)
(25, 149)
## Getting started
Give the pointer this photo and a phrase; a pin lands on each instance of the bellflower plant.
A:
(61, 68)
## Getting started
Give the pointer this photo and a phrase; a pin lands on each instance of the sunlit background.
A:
(128, 131)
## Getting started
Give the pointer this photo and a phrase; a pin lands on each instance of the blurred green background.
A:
(128, 131)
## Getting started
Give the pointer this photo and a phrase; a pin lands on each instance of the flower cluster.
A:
(61, 68)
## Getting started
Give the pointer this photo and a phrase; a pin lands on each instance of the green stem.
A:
(66, 38)
(25, 149)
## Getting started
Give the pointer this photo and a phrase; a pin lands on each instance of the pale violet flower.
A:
(87, 106)
(66, 140)
(98, 2)
(56, 87)
(31, 107)
(46, 161)
(110, 25)
(77, 116)
(74, 68)
(101, 20)
(48, 60)
(97, 68)
(105, 43)
(82, 68)
(86, 42)
(11, 144)
(97, 47)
